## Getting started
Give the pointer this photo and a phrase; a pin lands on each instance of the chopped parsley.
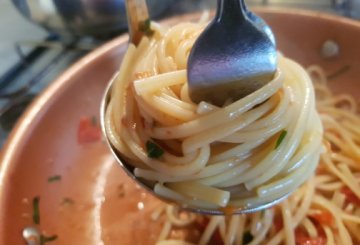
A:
(281, 138)
(153, 150)
(45, 239)
(94, 120)
(247, 238)
(339, 72)
(54, 178)
(88, 131)
(145, 27)
(36, 210)
(68, 201)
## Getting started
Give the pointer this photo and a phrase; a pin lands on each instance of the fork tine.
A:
(137, 12)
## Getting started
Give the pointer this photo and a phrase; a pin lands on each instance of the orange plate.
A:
(44, 142)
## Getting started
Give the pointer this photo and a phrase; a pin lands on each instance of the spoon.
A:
(232, 58)
(134, 7)
(31, 235)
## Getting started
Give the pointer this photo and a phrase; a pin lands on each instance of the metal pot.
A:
(82, 17)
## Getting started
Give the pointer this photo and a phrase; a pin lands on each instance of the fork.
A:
(232, 58)
(137, 14)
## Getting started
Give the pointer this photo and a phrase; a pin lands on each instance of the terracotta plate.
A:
(87, 206)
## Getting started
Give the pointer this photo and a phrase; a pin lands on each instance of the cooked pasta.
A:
(247, 153)
(325, 210)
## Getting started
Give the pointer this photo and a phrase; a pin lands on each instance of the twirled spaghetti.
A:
(248, 152)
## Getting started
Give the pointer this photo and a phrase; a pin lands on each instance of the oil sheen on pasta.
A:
(248, 152)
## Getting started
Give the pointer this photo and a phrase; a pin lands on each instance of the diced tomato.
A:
(310, 241)
(88, 131)
(216, 238)
(323, 217)
(201, 226)
(278, 223)
(350, 196)
(301, 238)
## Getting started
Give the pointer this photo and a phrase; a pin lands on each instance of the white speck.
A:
(330, 49)
(25, 200)
(140, 205)
(204, 108)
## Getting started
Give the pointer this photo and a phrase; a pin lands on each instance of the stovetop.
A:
(32, 58)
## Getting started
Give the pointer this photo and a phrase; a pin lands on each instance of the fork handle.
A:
(231, 10)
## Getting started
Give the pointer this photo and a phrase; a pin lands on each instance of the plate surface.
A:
(87, 206)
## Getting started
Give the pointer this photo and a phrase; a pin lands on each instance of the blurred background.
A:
(41, 38)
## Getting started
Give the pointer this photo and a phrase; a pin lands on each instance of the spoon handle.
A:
(231, 10)
(137, 13)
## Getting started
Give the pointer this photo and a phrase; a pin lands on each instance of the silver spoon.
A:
(31, 235)
(232, 58)
(134, 7)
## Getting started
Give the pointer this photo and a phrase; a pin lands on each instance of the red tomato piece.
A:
(278, 223)
(88, 131)
(324, 217)
(350, 196)
(302, 239)
(216, 238)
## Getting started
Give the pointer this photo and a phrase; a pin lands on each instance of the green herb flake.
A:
(153, 150)
(281, 138)
(45, 239)
(145, 27)
(247, 238)
(54, 178)
(36, 210)
(339, 72)
(68, 201)
(94, 121)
